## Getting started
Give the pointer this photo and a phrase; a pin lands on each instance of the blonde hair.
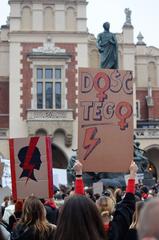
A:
(34, 214)
(105, 204)
(135, 220)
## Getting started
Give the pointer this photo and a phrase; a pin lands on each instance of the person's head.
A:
(139, 206)
(106, 26)
(34, 215)
(148, 221)
(18, 206)
(6, 200)
(81, 213)
(105, 204)
(33, 211)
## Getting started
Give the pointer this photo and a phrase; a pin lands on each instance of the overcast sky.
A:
(144, 17)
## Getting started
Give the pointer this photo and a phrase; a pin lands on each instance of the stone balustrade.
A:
(147, 132)
(47, 115)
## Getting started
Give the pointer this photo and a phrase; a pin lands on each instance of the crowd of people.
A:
(76, 213)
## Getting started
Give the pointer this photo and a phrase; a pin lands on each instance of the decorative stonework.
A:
(68, 140)
(147, 133)
(36, 115)
(153, 51)
(128, 18)
(140, 39)
(48, 48)
(119, 38)
(3, 133)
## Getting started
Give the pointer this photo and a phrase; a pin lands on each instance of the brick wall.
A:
(4, 104)
(154, 111)
(151, 112)
(71, 74)
(26, 73)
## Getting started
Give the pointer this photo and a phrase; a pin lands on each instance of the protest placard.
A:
(105, 114)
(31, 167)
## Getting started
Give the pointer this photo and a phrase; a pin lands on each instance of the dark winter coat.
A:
(122, 219)
(51, 214)
(132, 234)
(23, 232)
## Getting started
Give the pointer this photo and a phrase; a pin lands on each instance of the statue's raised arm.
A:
(108, 48)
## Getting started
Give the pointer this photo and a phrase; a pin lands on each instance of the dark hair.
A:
(106, 25)
(79, 219)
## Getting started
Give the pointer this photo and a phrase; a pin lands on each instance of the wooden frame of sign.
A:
(105, 119)
(31, 167)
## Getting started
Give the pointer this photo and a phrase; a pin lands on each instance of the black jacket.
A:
(23, 232)
(132, 234)
(122, 218)
(51, 214)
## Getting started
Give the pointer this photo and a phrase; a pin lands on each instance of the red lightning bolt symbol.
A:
(90, 142)
(27, 165)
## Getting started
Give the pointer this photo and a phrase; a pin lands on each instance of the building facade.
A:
(41, 48)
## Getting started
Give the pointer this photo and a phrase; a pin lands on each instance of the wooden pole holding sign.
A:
(105, 119)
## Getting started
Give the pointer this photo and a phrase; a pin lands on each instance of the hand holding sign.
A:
(78, 167)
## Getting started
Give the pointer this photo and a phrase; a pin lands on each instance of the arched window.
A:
(48, 19)
(26, 23)
(152, 73)
(70, 19)
(94, 58)
(41, 132)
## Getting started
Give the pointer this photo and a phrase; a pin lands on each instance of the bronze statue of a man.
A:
(108, 49)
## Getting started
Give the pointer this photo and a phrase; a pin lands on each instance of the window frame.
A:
(138, 109)
(52, 80)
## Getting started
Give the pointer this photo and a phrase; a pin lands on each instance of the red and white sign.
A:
(31, 167)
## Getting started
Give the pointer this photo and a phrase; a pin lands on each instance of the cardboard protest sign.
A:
(31, 167)
(105, 119)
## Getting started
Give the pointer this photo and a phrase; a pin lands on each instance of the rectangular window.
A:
(58, 94)
(48, 73)
(39, 74)
(48, 95)
(49, 86)
(57, 73)
(39, 95)
(137, 109)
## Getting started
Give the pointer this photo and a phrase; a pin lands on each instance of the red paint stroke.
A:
(27, 166)
(90, 142)
(49, 164)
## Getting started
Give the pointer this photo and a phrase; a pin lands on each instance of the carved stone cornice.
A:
(47, 115)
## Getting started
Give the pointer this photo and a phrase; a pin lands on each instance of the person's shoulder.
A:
(52, 227)
(4, 232)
